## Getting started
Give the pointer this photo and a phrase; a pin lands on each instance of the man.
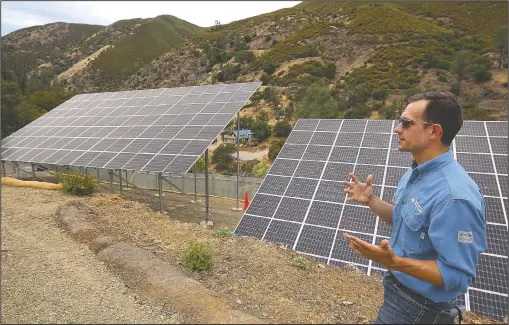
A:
(437, 216)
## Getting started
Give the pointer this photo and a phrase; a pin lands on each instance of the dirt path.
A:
(49, 278)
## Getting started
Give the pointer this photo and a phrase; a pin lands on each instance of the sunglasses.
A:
(405, 123)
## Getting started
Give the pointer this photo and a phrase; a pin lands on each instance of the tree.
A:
(393, 111)
(199, 165)
(460, 66)
(222, 153)
(381, 94)
(271, 96)
(261, 169)
(317, 102)
(283, 128)
(358, 112)
(501, 43)
(275, 148)
(11, 98)
(261, 129)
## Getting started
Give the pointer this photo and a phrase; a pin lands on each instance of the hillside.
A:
(365, 57)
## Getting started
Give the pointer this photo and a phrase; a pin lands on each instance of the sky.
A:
(21, 14)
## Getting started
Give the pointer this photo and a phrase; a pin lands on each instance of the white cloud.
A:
(202, 13)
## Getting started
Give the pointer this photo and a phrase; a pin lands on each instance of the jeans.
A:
(403, 306)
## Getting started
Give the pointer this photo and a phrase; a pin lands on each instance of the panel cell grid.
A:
(472, 145)
(317, 153)
(283, 167)
(343, 251)
(324, 214)
(376, 140)
(292, 209)
(301, 188)
(274, 185)
(282, 232)
(476, 162)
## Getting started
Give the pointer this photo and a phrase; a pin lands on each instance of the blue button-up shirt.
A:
(439, 214)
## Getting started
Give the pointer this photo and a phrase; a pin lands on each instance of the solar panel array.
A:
(155, 130)
(301, 202)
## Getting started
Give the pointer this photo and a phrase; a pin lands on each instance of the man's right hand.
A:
(359, 192)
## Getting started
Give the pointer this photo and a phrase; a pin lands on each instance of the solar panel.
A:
(153, 130)
(301, 202)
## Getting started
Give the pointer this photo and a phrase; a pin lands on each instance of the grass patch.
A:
(223, 232)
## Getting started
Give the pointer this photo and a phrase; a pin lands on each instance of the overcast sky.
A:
(21, 14)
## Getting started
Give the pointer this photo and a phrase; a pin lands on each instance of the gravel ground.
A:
(49, 278)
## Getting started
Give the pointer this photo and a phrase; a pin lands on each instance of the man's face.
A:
(416, 136)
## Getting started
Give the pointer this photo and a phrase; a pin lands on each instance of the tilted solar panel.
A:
(301, 202)
(154, 130)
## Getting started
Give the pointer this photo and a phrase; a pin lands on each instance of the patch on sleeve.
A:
(465, 237)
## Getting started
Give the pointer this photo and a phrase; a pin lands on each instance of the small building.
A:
(245, 136)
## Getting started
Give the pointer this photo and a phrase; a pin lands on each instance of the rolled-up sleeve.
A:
(458, 233)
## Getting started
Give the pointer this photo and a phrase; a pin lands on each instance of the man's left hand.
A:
(382, 254)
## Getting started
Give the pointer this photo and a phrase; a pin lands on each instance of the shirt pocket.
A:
(414, 236)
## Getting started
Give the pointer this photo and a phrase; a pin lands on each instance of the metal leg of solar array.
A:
(207, 185)
(111, 179)
(56, 174)
(98, 181)
(33, 171)
(17, 168)
(126, 184)
(3, 168)
(238, 161)
(160, 185)
(120, 181)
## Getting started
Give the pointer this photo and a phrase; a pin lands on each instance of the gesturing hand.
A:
(359, 192)
(382, 254)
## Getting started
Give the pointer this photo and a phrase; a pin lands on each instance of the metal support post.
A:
(195, 191)
(56, 173)
(111, 179)
(3, 168)
(33, 172)
(160, 183)
(207, 185)
(126, 184)
(238, 161)
(120, 181)
(17, 167)
(97, 170)
(86, 171)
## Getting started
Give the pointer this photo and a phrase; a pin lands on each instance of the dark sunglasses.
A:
(405, 123)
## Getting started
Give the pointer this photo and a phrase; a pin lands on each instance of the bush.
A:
(275, 148)
(223, 232)
(455, 88)
(198, 257)
(442, 78)
(77, 184)
(301, 262)
(283, 128)
(261, 169)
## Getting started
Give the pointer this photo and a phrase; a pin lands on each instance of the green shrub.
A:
(442, 78)
(301, 262)
(261, 169)
(198, 257)
(223, 232)
(77, 184)
(283, 128)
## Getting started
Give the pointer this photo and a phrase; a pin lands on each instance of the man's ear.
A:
(436, 130)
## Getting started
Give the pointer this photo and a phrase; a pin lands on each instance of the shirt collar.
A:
(433, 164)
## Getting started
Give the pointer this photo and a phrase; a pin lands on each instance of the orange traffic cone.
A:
(246, 202)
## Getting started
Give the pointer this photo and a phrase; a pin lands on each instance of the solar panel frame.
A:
(109, 123)
(319, 195)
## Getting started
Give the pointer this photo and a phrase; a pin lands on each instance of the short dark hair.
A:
(443, 108)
